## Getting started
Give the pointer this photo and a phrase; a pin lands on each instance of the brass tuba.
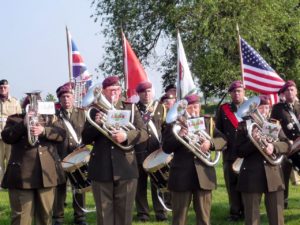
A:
(94, 99)
(32, 115)
(249, 109)
(192, 141)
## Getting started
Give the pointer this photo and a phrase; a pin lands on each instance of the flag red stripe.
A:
(258, 90)
(77, 58)
(261, 75)
(262, 83)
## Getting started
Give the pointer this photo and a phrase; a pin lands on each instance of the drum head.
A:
(156, 160)
(76, 159)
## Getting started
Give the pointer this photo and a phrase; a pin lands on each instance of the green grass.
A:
(219, 211)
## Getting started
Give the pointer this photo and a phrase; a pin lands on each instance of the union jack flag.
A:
(79, 71)
(257, 74)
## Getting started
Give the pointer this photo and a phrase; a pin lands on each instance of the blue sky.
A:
(33, 43)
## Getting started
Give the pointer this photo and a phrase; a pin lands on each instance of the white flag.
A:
(185, 83)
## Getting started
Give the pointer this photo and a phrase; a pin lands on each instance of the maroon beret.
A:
(287, 84)
(167, 96)
(65, 88)
(192, 99)
(143, 86)
(110, 81)
(235, 84)
(264, 100)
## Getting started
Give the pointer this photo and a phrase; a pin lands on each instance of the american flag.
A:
(257, 74)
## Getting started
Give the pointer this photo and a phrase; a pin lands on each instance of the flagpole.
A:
(178, 70)
(240, 52)
(125, 71)
(69, 54)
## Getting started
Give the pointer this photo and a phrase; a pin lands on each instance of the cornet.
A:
(32, 115)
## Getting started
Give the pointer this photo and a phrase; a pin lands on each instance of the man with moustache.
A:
(153, 114)
(227, 123)
(288, 113)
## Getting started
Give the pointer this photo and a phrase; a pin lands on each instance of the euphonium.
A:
(94, 99)
(249, 109)
(32, 115)
(192, 141)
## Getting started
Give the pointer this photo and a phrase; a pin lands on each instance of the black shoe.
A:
(57, 223)
(161, 218)
(81, 223)
(143, 218)
(233, 218)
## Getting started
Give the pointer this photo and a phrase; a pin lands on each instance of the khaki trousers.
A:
(4, 157)
(59, 204)
(201, 202)
(114, 201)
(273, 203)
(28, 204)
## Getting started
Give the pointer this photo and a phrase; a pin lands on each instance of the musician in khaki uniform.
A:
(288, 114)
(190, 178)
(33, 169)
(257, 175)
(153, 114)
(227, 123)
(72, 119)
(8, 106)
(112, 170)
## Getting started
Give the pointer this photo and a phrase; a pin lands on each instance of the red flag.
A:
(133, 69)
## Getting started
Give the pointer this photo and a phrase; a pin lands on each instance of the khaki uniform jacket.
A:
(32, 166)
(281, 112)
(187, 172)
(256, 174)
(77, 120)
(152, 143)
(9, 107)
(224, 125)
(108, 162)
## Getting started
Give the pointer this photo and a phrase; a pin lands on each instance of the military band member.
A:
(153, 114)
(256, 169)
(190, 179)
(227, 123)
(8, 106)
(72, 119)
(171, 90)
(288, 113)
(113, 171)
(33, 171)
(168, 100)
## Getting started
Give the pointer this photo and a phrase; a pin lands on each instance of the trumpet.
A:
(95, 100)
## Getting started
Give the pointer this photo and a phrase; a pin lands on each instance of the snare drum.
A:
(157, 165)
(76, 166)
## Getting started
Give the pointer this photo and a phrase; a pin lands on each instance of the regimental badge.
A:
(146, 117)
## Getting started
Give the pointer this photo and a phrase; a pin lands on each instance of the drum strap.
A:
(294, 118)
(151, 124)
(72, 131)
(230, 115)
